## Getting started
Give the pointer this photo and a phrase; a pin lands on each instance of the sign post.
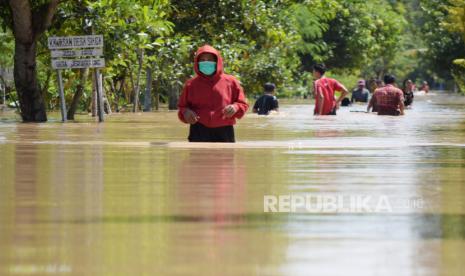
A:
(78, 52)
(62, 96)
(99, 89)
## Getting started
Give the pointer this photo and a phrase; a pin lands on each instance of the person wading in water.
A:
(212, 100)
(425, 87)
(360, 94)
(324, 88)
(408, 90)
(267, 102)
(388, 100)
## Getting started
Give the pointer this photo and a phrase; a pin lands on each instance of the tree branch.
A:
(43, 17)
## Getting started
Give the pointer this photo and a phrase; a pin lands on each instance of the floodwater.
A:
(131, 197)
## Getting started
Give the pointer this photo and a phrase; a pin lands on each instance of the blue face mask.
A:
(207, 67)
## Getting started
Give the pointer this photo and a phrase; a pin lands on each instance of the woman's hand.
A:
(229, 111)
(190, 116)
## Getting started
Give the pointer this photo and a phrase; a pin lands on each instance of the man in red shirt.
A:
(388, 100)
(212, 100)
(324, 88)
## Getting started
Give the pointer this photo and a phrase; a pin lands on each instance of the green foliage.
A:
(133, 31)
(458, 72)
(6, 49)
(455, 23)
(130, 28)
(443, 46)
(364, 32)
(353, 38)
(5, 16)
(6, 57)
(260, 40)
(348, 80)
(456, 17)
(313, 18)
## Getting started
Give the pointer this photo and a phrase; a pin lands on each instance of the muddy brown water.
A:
(131, 197)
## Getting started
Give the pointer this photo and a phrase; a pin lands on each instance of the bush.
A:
(458, 72)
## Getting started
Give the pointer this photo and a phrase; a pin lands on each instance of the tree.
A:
(443, 47)
(312, 22)
(455, 23)
(135, 31)
(28, 21)
(258, 39)
(352, 37)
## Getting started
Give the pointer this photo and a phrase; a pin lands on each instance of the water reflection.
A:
(131, 197)
(22, 241)
(210, 182)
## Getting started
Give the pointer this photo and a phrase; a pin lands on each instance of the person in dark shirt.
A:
(360, 94)
(267, 102)
(346, 102)
(408, 89)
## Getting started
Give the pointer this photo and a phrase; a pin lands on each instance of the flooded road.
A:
(131, 197)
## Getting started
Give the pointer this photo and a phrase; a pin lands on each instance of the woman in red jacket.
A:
(212, 100)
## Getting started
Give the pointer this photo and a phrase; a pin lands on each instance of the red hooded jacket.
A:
(207, 96)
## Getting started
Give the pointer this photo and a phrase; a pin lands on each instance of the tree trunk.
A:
(94, 96)
(119, 93)
(46, 86)
(157, 97)
(28, 25)
(137, 89)
(148, 91)
(133, 87)
(173, 97)
(79, 91)
(3, 88)
(30, 97)
(106, 102)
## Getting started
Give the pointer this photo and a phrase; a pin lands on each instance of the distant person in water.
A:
(389, 100)
(346, 102)
(324, 90)
(425, 87)
(408, 89)
(267, 102)
(212, 100)
(360, 94)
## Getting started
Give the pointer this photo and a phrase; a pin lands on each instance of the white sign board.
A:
(78, 63)
(75, 42)
(77, 53)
